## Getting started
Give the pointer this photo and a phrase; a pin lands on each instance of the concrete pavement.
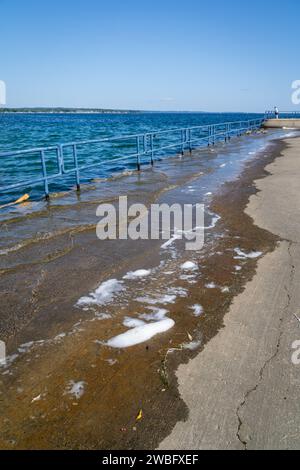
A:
(282, 123)
(243, 390)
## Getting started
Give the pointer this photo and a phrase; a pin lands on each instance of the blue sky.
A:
(159, 55)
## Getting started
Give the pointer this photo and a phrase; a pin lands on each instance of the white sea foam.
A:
(25, 348)
(289, 134)
(198, 310)
(102, 316)
(211, 285)
(242, 255)
(75, 389)
(170, 242)
(214, 222)
(189, 266)
(187, 277)
(60, 336)
(29, 348)
(164, 299)
(11, 249)
(178, 235)
(105, 293)
(192, 346)
(225, 290)
(137, 274)
(156, 315)
(140, 334)
(111, 362)
(178, 291)
(132, 322)
(9, 360)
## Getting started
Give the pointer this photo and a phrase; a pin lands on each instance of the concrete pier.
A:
(249, 365)
(281, 123)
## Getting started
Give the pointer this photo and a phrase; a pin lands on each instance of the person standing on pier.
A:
(276, 112)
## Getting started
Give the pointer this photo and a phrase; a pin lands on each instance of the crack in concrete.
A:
(292, 273)
(268, 361)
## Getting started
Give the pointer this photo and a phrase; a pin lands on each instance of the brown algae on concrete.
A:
(67, 388)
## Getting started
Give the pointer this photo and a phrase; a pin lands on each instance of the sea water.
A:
(26, 131)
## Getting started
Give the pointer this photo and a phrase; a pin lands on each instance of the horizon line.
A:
(128, 110)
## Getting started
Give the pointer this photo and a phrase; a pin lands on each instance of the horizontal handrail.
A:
(12, 153)
(143, 145)
(273, 113)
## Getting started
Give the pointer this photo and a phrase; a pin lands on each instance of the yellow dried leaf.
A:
(18, 201)
(22, 199)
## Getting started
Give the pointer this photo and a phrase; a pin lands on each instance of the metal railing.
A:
(144, 149)
(285, 114)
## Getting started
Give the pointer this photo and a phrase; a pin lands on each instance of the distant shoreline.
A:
(65, 111)
(107, 111)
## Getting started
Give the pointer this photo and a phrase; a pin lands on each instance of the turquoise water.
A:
(25, 131)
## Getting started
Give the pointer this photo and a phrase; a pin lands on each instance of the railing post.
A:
(58, 157)
(152, 149)
(138, 161)
(190, 140)
(182, 142)
(61, 159)
(208, 137)
(44, 170)
(76, 167)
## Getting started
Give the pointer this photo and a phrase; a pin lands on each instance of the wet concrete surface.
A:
(64, 345)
